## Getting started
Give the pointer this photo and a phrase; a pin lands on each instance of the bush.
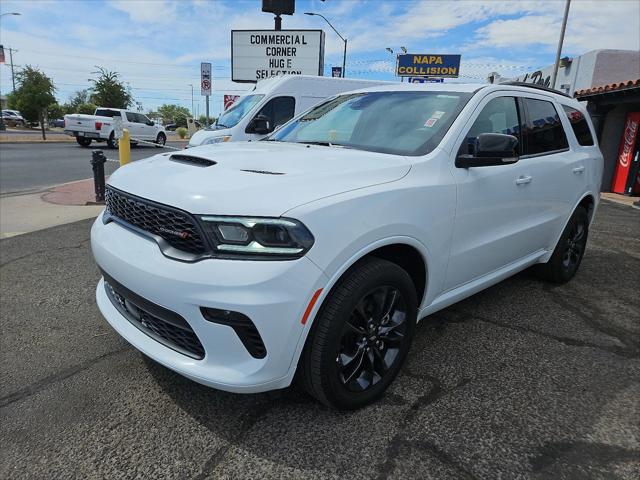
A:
(182, 132)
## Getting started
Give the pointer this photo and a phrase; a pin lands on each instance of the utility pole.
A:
(13, 78)
(192, 111)
(560, 42)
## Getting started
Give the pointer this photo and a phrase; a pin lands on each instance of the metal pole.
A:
(13, 77)
(207, 112)
(344, 59)
(278, 22)
(560, 42)
(192, 111)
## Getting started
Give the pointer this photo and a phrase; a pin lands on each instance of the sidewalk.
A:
(27, 212)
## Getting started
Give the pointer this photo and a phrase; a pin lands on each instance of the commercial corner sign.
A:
(205, 79)
(259, 54)
(428, 65)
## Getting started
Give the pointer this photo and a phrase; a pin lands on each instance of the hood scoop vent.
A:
(191, 160)
(263, 172)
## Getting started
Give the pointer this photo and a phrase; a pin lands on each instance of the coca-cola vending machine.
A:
(625, 177)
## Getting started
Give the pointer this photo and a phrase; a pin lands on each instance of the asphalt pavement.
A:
(33, 166)
(523, 380)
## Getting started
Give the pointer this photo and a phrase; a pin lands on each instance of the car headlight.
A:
(255, 237)
(212, 140)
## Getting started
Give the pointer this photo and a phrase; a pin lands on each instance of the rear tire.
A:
(83, 141)
(361, 335)
(567, 256)
(112, 142)
(161, 140)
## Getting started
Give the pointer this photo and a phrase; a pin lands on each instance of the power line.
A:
(49, 54)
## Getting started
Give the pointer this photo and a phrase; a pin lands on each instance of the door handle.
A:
(578, 170)
(523, 180)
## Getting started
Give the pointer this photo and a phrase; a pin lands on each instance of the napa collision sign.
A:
(259, 54)
(428, 65)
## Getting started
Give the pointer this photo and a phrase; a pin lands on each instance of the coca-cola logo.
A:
(629, 138)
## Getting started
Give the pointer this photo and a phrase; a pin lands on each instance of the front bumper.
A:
(273, 294)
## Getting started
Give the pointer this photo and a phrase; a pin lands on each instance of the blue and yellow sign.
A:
(428, 65)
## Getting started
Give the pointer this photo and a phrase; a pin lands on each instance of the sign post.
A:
(259, 54)
(205, 86)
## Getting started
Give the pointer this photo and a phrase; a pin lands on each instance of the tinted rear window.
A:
(103, 112)
(543, 132)
(579, 125)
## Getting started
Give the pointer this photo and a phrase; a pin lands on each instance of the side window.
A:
(500, 115)
(543, 132)
(579, 125)
(131, 117)
(279, 110)
(142, 118)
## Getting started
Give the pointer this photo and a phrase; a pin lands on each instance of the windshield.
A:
(234, 114)
(401, 123)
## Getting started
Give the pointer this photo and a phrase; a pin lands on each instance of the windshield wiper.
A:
(325, 144)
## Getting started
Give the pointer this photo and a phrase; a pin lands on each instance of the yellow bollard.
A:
(124, 146)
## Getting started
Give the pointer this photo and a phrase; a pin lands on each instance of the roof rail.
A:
(536, 86)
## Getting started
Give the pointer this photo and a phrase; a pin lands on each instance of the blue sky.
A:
(157, 45)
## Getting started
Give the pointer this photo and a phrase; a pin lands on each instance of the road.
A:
(523, 380)
(33, 166)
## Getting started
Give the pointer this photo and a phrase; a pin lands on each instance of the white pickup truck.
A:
(100, 127)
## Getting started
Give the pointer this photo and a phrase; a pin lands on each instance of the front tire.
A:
(361, 336)
(161, 140)
(567, 256)
(83, 141)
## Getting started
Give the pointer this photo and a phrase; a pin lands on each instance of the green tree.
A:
(55, 111)
(33, 96)
(78, 98)
(175, 114)
(86, 108)
(203, 120)
(109, 91)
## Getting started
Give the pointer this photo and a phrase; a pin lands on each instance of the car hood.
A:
(256, 178)
(201, 135)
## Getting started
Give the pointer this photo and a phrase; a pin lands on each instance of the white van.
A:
(272, 103)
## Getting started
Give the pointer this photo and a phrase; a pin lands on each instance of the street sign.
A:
(428, 64)
(336, 72)
(205, 79)
(230, 100)
(425, 80)
(259, 54)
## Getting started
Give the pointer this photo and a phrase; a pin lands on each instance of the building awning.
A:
(612, 88)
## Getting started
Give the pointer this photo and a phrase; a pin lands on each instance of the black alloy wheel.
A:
(361, 335)
(568, 253)
(574, 246)
(371, 338)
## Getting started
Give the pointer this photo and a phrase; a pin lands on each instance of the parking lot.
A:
(524, 380)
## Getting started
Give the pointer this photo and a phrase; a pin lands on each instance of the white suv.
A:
(313, 253)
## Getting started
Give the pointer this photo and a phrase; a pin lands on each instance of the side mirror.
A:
(259, 124)
(490, 149)
(150, 123)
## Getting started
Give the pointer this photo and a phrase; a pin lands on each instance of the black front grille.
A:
(175, 226)
(162, 325)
